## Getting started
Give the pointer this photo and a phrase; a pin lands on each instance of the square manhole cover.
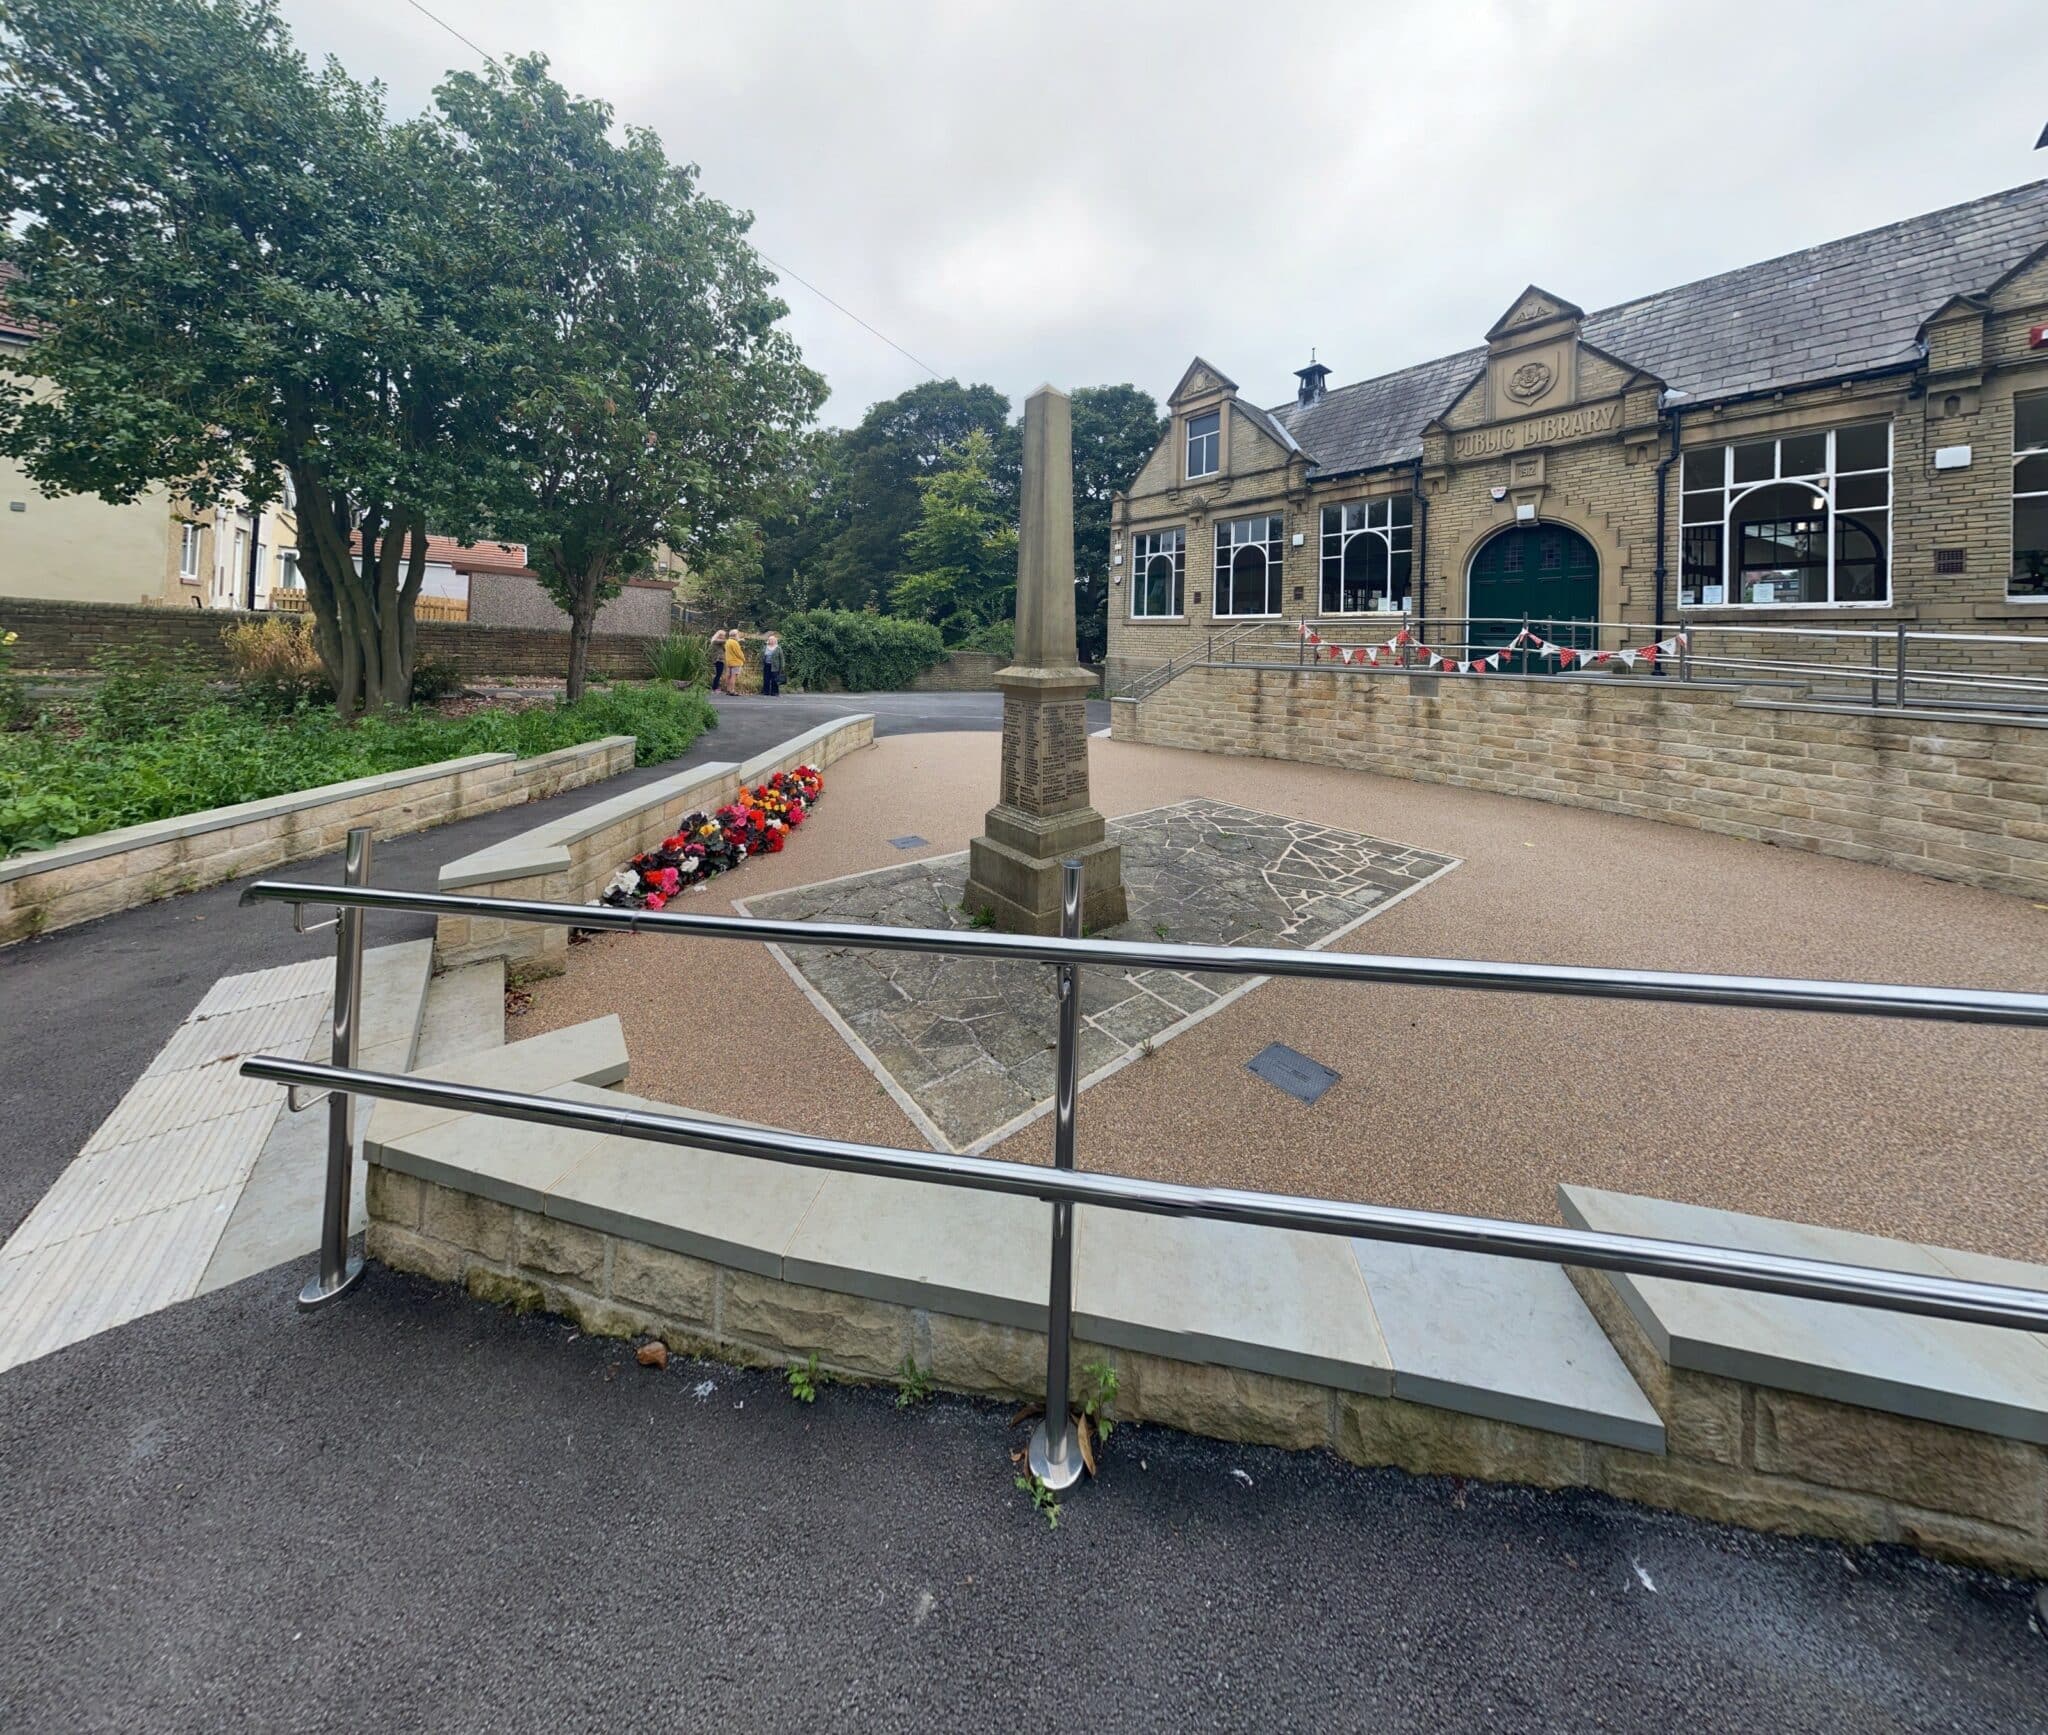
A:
(1296, 1074)
(910, 842)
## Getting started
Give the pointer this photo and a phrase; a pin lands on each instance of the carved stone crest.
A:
(1530, 381)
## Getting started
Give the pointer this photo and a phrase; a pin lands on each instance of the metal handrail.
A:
(1780, 993)
(1955, 1298)
(1055, 1453)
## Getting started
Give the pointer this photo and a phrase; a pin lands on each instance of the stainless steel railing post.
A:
(1899, 664)
(1055, 1443)
(338, 1271)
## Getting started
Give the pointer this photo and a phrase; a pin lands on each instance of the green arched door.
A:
(1543, 572)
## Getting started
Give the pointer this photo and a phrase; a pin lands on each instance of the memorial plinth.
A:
(1044, 816)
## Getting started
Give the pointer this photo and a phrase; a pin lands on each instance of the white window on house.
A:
(188, 553)
(1248, 553)
(2029, 498)
(1368, 555)
(288, 569)
(1205, 444)
(1158, 575)
(1803, 520)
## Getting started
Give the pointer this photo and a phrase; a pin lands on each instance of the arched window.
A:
(1248, 569)
(1367, 555)
(1158, 573)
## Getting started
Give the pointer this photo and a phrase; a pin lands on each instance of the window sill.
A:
(2012, 608)
(1735, 611)
(1239, 619)
(1157, 620)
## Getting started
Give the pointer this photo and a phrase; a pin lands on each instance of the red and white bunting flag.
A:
(1628, 658)
(1493, 662)
(1372, 655)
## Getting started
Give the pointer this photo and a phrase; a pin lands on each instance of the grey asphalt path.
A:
(412, 1511)
(82, 1011)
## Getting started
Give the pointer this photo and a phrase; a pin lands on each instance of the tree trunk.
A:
(582, 623)
(363, 622)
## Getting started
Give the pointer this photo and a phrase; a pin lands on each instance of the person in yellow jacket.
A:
(735, 659)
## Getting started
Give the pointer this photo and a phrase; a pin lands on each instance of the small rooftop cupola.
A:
(1312, 377)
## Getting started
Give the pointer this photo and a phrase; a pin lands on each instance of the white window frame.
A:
(1146, 547)
(288, 575)
(1213, 438)
(188, 553)
(2021, 454)
(1375, 518)
(1273, 541)
(1823, 482)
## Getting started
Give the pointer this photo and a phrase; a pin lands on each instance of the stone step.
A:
(464, 1013)
(1968, 1376)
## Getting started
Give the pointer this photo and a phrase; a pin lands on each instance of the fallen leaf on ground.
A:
(654, 1355)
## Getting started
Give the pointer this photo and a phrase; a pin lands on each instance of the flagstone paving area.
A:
(966, 1045)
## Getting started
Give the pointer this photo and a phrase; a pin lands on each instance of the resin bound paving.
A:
(965, 1044)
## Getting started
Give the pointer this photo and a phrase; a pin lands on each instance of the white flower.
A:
(690, 863)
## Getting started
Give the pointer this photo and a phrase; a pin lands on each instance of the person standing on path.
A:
(735, 659)
(771, 666)
(718, 661)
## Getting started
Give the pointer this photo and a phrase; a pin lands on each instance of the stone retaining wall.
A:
(962, 672)
(138, 864)
(570, 860)
(60, 636)
(1746, 1455)
(1955, 799)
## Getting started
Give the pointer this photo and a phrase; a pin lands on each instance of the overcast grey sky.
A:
(1093, 192)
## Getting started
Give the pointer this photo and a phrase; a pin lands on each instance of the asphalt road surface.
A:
(84, 1010)
(412, 1511)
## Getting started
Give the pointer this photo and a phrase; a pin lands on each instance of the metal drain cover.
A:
(1286, 1069)
(910, 842)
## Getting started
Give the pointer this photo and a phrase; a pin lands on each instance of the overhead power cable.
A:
(829, 301)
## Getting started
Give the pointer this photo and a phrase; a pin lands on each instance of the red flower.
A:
(655, 900)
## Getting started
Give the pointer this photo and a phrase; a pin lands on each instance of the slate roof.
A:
(1844, 307)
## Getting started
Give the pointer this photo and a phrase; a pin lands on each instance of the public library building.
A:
(1853, 435)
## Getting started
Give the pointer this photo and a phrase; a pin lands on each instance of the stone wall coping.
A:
(1508, 1339)
(1271, 1302)
(797, 748)
(155, 831)
(1979, 1377)
(589, 1054)
(546, 849)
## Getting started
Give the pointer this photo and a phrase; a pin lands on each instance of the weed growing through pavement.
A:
(804, 1379)
(1042, 1500)
(913, 1384)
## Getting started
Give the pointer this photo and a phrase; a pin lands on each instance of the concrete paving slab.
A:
(1969, 1376)
(1270, 1300)
(1507, 1339)
(979, 1255)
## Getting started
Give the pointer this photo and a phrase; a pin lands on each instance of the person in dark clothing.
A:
(771, 666)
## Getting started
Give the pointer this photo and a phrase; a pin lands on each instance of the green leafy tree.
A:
(727, 576)
(248, 273)
(658, 395)
(962, 553)
(1115, 430)
(876, 473)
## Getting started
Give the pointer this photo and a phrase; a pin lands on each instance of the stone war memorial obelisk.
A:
(1044, 816)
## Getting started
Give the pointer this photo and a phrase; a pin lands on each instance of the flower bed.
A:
(757, 821)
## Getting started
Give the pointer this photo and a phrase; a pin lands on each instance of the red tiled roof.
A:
(468, 556)
(14, 324)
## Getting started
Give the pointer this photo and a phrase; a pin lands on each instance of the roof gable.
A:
(1533, 307)
(1201, 377)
